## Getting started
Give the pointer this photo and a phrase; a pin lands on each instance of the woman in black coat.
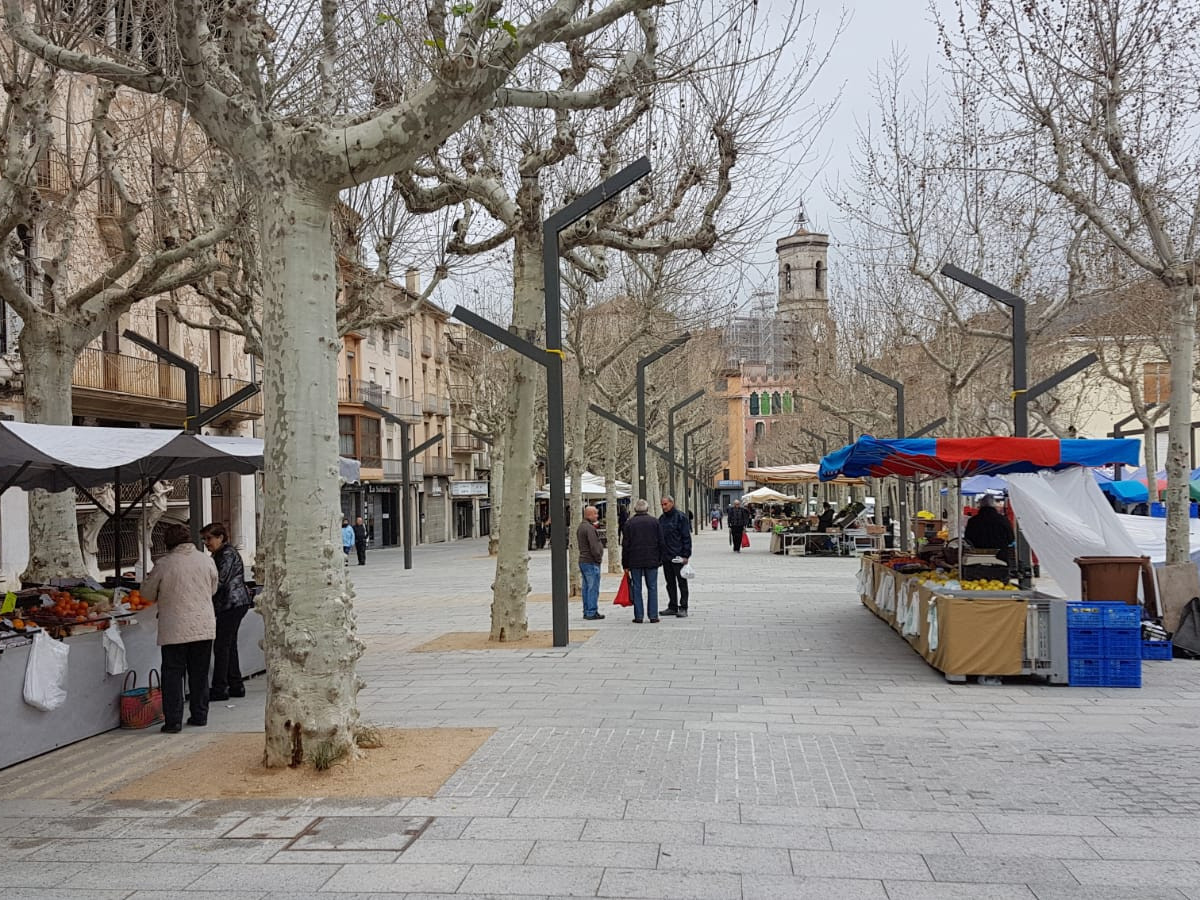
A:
(230, 602)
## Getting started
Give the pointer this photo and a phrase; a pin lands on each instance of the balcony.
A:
(392, 470)
(426, 346)
(483, 462)
(435, 405)
(116, 385)
(462, 396)
(439, 465)
(354, 390)
(465, 442)
(403, 347)
(439, 352)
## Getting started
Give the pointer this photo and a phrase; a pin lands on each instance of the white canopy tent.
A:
(592, 487)
(766, 495)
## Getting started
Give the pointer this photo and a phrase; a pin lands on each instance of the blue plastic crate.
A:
(1122, 673)
(1121, 643)
(1121, 615)
(1158, 650)
(1087, 672)
(1085, 643)
(1085, 615)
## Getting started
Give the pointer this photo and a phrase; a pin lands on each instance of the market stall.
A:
(963, 625)
(79, 612)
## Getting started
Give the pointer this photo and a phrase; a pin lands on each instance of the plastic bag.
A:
(114, 651)
(46, 673)
(623, 597)
(687, 571)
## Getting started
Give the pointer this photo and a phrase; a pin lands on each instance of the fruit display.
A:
(947, 581)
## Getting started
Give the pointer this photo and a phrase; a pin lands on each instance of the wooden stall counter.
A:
(958, 633)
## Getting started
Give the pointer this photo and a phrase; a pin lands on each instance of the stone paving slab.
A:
(781, 742)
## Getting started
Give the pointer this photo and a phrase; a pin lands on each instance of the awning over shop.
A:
(801, 473)
(962, 457)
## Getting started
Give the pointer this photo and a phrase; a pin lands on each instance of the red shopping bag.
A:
(623, 598)
(745, 542)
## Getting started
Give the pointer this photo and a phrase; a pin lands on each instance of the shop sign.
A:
(729, 485)
(468, 488)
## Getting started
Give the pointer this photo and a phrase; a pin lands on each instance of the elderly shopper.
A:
(183, 582)
(230, 602)
(738, 519)
(677, 538)
(642, 552)
(591, 554)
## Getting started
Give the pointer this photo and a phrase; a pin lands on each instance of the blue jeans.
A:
(591, 587)
(651, 578)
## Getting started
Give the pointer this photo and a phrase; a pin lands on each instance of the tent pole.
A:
(117, 524)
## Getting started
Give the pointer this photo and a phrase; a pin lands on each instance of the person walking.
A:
(347, 538)
(360, 540)
(230, 603)
(591, 554)
(677, 538)
(183, 582)
(738, 519)
(642, 552)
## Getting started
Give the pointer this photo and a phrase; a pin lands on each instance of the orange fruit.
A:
(18, 623)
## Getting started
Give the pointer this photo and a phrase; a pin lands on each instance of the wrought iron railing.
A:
(137, 376)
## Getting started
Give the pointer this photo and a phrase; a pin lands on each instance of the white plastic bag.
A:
(46, 673)
(114, 650)
(687, 571)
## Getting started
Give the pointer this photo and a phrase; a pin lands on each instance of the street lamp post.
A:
(691, 398)
(899, 389)
(690, 494)
(642, 364)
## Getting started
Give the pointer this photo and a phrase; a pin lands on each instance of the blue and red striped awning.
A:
(961, 457)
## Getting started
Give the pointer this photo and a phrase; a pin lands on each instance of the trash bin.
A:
(1115, 578)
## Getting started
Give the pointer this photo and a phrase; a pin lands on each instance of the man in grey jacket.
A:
(591, 554)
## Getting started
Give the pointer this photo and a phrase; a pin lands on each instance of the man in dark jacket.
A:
(738, 519)
(642, 552)
(360, 540)
(591, 554)
(677, 537)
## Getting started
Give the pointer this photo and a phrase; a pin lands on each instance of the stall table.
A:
(92, 704)
(965, 633)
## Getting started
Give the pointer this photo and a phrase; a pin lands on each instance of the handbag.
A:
(745, 540)
(141, 707)
(623, 598)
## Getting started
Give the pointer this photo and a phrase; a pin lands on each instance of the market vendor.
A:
(989, 529)
(825, 520)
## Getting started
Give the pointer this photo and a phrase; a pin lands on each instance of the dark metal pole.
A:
(691, 398)
(903, 493)
(925, 429)
(1118, 433)
(405, 496)
(642, 364)
(691, 493)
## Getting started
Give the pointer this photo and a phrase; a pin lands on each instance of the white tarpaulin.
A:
(1150, 534)
(592, 487)
(1064, 515)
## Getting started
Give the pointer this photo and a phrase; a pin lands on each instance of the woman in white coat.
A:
(183, 582)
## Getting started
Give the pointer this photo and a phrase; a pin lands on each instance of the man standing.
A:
(677, 538)
(642, 552)
(591, 554)
(738, 520)
(360, 540)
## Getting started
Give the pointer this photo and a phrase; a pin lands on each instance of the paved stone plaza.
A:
(779, 742)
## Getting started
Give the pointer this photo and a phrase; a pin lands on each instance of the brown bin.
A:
(1115, 578)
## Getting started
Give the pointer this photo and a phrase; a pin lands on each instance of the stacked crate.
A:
(1104, 642)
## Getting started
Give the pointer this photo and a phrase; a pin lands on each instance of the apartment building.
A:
(406, 371)
(470, 450)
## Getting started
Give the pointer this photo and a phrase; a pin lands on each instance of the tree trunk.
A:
(612, 513)
(48, 355)
(1183, 348)
(577, 429)
(653, 487)
(509, 590)
(1150, 460)
(308, 607)
(496, 486)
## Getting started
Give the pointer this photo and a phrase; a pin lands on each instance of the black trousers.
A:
(190, 660)
(362, 553)
(735, 537)
(677, 586)
(227, 669)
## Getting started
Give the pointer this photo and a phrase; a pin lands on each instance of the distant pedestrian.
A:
(622, 518)
(738, 520)
(183, 582)
(591, 554)
(642, 552)
(347, 538)
(715, 515)
(677, 538)
(360, 540)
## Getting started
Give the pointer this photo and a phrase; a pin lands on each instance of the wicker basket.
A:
(141, 707)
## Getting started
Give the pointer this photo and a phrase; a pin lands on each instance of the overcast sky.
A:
(872, 29)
